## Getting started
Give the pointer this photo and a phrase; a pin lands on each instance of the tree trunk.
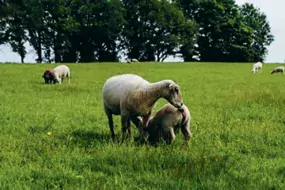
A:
(39, 49)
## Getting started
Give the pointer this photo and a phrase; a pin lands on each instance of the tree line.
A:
(148, 30)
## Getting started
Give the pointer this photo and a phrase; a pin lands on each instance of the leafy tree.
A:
(155, 29)
(99, 27)
(226, 32)
(12, 27)
(260, 31)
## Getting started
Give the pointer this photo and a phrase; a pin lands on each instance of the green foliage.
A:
(226, 31)
(260, 34)
(237, 125)
(12, 29)
(87, 31)
(155, 29)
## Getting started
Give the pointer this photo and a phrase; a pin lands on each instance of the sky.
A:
(272, 8)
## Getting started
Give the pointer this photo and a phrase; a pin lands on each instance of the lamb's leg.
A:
(110, 120)
(171, 135)
(145, 120)
(186, 131)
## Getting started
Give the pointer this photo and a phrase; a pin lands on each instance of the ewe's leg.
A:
(138, 123)
(110, 120)
(143, 128)
(126, 123)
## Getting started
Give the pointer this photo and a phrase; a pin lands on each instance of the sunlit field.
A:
(57, 136)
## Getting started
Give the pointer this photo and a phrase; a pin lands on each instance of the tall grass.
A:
(57, 136)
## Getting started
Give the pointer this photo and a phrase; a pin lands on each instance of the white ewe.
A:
(167, 121)
(257, 67)
(278, 69)
(133, 97)
(60, 72)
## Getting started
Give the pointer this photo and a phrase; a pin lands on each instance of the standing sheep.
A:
(278, 69)
(60, 72)
(167, 121)
(133, 97)
(257, 67)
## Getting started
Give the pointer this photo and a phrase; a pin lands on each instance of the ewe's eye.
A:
(176, 90)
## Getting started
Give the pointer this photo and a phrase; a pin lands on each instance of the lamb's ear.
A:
(170, 86)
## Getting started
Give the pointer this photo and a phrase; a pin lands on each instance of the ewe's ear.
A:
(171, 86)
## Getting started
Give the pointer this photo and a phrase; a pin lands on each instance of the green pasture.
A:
(57, 136)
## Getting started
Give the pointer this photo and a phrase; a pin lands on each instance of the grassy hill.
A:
(57, 136)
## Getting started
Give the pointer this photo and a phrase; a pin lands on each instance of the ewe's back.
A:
(61, 69)
(116, 86)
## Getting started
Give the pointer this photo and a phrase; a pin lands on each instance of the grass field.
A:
(57, 136)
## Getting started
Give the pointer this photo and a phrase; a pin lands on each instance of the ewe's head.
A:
(172, 94)
(47, 76)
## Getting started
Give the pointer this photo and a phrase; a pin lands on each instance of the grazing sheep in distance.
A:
(134, 98)
(278, 69)
(132, 60)
(257, 67)
(48, 76)
(167, 121)
(60, 72)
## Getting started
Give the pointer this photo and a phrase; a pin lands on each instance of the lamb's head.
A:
(173, 94)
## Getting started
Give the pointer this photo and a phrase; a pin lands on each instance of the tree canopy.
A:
(105, 30)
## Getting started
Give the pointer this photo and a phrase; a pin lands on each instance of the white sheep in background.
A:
(134, 98)
(167, 121)
(134, 60)
(278, 69)
(257, 67)
(60, 72)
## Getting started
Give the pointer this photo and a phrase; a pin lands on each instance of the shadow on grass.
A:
(89, 139)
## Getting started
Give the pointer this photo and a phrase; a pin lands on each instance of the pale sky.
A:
(274, 9)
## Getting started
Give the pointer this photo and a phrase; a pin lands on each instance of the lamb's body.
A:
(257, 67)
(60, 72)
(167, 121)
(133, 97)
(278, 69)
